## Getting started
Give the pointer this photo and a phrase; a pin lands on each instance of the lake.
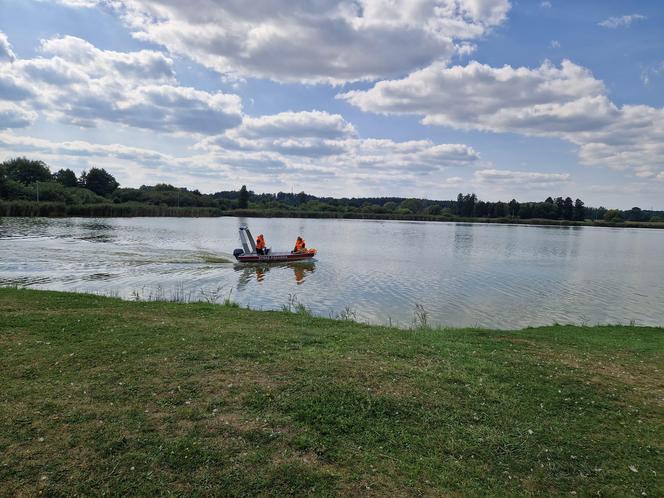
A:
(496, 276)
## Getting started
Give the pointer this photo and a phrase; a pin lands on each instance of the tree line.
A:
(95, 192)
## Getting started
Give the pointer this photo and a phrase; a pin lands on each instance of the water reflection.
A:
(463, 238)
(258, 272)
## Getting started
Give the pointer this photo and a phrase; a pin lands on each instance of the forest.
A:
(28, 187)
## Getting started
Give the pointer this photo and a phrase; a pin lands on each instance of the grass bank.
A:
(101, 395)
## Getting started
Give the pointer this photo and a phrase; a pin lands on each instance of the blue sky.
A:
(422, 98)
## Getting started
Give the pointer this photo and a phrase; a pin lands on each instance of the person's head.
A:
(299, 239)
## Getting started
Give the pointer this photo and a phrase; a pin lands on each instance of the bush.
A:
(614, 216)
(49, 192)
(434, 209)
(13, 190)
(78, 195)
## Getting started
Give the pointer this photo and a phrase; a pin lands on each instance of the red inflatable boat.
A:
(248, 252)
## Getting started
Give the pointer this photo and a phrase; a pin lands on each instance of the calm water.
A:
(463, 274)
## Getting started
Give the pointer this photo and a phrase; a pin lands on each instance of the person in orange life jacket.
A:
(260, 244)
(300, 246)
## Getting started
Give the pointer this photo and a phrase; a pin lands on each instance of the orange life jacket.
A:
(300, 245)
(260, 243)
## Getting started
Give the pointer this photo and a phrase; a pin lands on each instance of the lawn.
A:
(103, 396)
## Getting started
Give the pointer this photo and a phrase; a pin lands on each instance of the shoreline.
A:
(49, 210)
(293, 306)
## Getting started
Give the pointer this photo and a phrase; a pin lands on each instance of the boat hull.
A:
(276, 257)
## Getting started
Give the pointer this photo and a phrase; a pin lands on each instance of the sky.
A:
(508, 99)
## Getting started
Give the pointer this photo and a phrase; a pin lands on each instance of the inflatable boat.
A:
(248, 252)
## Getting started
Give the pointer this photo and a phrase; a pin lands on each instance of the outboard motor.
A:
(237, 253)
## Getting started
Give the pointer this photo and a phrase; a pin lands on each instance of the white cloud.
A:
(76, 3)
(555, 44)
(14, 116)
(80, 148)
(520, 178)
(621, 21)
(6, 51)
(565, 102)
(310, 124)
(319, 139)
(454, 181)
(478, 96)
(13, 88)
(309, 133)
(545, 4)
(303, 41)
(653, 190)
(414, 156)
(75, 82)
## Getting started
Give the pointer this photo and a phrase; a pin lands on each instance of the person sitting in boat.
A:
(260, 244)
(300, 246)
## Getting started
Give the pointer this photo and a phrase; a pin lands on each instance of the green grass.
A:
(101, 396)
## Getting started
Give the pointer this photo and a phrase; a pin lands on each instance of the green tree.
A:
(301, 198)
(579, 210)
(243, 199)
(66, 178)
(99, 181)
(514, 208)
(165, 187)
(500, 209)
(547, 209)
(469, 201)
(559, 202)
(600, 213)
(568, 208)
(459, 205)
(26, 171)
(635, 214)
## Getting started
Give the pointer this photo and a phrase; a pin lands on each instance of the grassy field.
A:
(124, 398)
